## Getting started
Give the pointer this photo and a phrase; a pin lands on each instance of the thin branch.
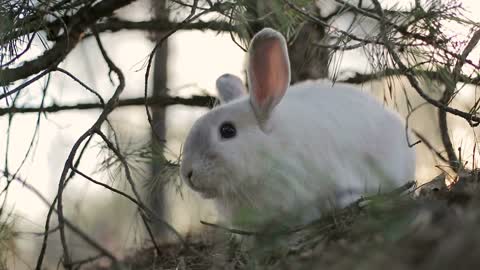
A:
(114, 25)
(472, 119)
(91, 259)
(450, 86)
(38, 233)
(111, 104)
(230, 230)
(209, 101)
(77, 24)
(359, 78)
(23, 85)
(114, 190)
(191, 17)
(17, 56)
(73, 77)
(61, 187)
(141, 206)
(69, 224)
(43, 248)
(320, 22)
(158, 101)
(129, 177)
(403, 30)
(429, 145)
(36, 135)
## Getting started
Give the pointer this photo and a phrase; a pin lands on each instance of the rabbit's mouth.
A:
(206, 193)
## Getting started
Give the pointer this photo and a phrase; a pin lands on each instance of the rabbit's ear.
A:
(230, 87)
(268, 72)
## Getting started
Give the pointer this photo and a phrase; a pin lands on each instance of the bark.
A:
(157, 201)
(307, 60)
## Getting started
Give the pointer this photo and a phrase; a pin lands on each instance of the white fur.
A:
(325, 146)
(229, 87)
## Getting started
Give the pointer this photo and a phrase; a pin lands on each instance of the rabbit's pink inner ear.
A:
(269, 74)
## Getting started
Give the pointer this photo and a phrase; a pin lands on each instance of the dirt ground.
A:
(429, 227)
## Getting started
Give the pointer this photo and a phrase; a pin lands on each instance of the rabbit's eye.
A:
(227, 130)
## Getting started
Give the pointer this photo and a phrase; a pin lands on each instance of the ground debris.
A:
(435, 226)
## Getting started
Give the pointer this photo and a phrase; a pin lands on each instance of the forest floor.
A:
(437, 228)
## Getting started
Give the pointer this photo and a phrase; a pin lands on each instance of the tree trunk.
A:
(157, 198)
(307, 60)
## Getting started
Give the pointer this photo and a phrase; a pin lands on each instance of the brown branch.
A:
(90, 259)
(69, 224)
(429, 145)
(43, 248)
(160, 101)
(114, 25)
(112, 189)
(448, 94)
(85, 18)
(109, 107)
(25, 84)
(359, 78)
(209, 101)
(88, 88)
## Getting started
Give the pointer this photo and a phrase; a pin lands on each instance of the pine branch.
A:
(359, 78)
(114, 25)
(75, 27)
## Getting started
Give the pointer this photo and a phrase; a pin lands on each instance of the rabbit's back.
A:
(344, 135)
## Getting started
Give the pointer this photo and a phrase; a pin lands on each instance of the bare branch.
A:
(69, 224)
(129, 177)
(23, 85)
(114, 190)
(429, 145)
(450, 86)
(102, 102)
(160, 101)
(112, 102)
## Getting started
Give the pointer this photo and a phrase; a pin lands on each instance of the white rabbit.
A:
(275, 151)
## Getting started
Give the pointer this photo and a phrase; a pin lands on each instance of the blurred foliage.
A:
(7, 235)
(139, 157)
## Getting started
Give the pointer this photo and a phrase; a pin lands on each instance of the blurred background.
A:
(186, 65)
